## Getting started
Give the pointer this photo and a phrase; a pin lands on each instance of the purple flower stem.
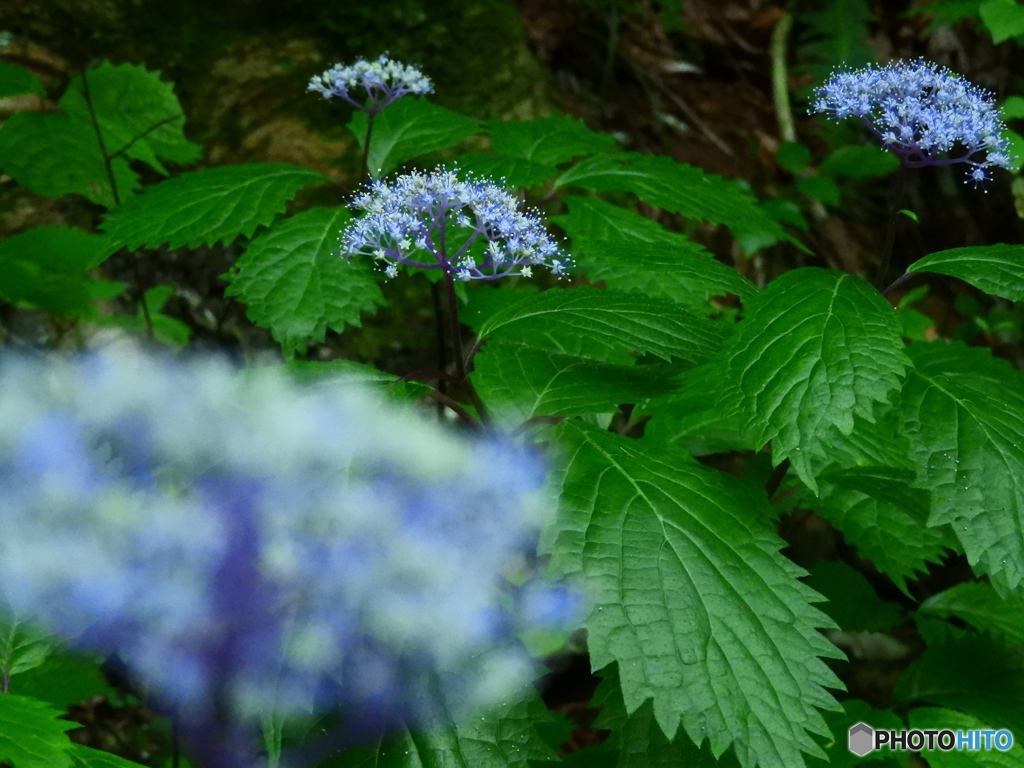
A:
(890, 232)
(442, 358)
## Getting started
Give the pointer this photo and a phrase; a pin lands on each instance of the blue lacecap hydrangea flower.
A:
(385, 81)
(925, 113)
(248, 546)
(471, 228)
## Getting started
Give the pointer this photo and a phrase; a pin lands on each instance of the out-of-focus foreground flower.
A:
(385, 81)
(921, 111)
(471, 228)
(244, 543)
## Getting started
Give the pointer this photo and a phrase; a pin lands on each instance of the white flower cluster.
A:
(441, 216)
(384, 81)
(920, 111)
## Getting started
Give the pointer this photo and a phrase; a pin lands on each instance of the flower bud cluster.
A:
(385, 81)
(925, 113)
(245, 543)
(471, 228)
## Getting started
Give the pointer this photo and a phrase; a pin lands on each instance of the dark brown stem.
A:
(108, 164)
(456, 340)
(442, 357)
(366, 143)
(890, 232)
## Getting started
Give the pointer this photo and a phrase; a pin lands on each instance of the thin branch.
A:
(109, 166)
(780, 78)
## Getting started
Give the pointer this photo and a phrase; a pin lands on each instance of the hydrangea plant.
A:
(924, 113)
(384, 81)
(470, 228)
(248, 545)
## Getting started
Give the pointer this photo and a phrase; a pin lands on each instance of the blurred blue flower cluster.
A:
(921, 111)
(470, 228)
(246, 544)
(385, 81)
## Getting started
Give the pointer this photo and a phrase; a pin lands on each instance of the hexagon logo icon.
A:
(861, 739)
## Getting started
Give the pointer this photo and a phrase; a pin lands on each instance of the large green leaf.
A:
(1003, 18)
(15, 81)
(939, 719)
(62, 680)
(856, 711)
(690, 596)
(295, 283)
(46, 268)
(409, 128)
(995, 269)
(978, 604)
(23, 646)
(31, 736)
(515, 171)
(693, 417)
(972, 673)
(547, 140)
(519, 382)
(507, 737)
(605, 325)
(636, 740)
(54, 156)
(817, 348)
(963, 411)
(679, 188)
(138, 114)
(886, 519)
(632, 253)
(215, 205)
(87, 757)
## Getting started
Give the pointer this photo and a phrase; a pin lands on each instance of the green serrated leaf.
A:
(974, 674)
(294, 282)
(694, 419)
(852, 603)
(520, 382)
(215, 205)
(836, 35)
(138, 114)
(978, 604)
(939, 719)
(963, 411)
(15, 81)
(515, 171)
(817, 348)
(690, 596)
(62, 680)
(411, 127)
(23, 646)
(679, 188)
(636, 740)
(1012, 108)
(592, 220)
(57, 249)
(605, 325)
(883, 517)
(54, 156)
(506, 737)
(853, 712)
(1004, 19)
(995, 269)
(31, 736)
(547, 140)
(87, 757)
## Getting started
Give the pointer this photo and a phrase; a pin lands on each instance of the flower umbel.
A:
(244, 543)
(925, 113)
(471, 228)
(385, 81)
